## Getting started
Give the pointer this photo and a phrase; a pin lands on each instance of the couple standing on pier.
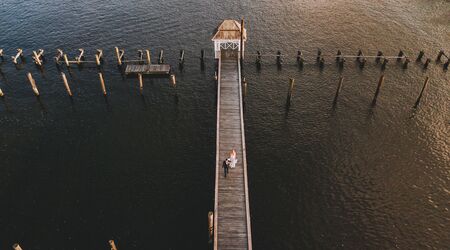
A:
(230, 162)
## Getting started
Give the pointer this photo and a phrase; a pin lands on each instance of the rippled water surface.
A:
(140, 168)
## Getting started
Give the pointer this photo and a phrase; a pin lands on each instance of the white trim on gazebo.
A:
(228, 37)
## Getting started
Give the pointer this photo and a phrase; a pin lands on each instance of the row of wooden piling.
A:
(340, 84)
(111, 243)
(340, 58)
(69, 91)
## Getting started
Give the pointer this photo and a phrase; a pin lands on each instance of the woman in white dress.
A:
(233, 159)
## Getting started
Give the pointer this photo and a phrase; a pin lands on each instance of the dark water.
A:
(139, 169)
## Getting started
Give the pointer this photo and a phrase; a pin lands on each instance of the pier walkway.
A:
(232, 228)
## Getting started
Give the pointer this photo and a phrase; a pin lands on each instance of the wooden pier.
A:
(232, 228)
(148, 69)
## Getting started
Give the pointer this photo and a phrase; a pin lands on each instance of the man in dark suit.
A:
(225, 167)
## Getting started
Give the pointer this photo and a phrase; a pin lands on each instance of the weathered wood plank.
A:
(231, 205)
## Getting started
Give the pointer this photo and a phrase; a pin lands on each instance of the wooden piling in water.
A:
(319, 54)
(112, 245)
(102, 82)
(258, 57)
(119, 56)
(1, 54)
(16, 247)
(385, 61)
(38, 57)
(98, 57)
(419, 57)
(338, 90)
(279, 59)
(181, 57)
(149, 57)
(211, 224)
(445, 66)
(161, 57)
(377, 92)
(1, 93)
(405, 64)
(400, 55)
(440, 54)
(425, 65)
(291, 88)
(19, 54)
(80, 57)
(244, 82)
(66, 60)
(33, 84)
(59, 55)
(141, 82)
(338, 55)
(66, 84)
(173, 79)
(378, 57)
(421, 92)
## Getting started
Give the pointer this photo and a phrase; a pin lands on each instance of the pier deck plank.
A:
(146, 69)
(232, 218)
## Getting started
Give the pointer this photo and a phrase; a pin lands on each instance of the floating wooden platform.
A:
(232, 228)
(146, 69)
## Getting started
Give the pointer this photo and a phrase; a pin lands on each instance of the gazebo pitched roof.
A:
(229, 30)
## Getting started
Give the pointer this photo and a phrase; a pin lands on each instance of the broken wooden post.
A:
(33, 84)
(182, 57)
(375, 97)
(400, 56)
(362, 62)
(338, 55)
(173, 80)
(211, 224)
(59, 55)
(36, 58)
(66, 60)
(140, 56)
(322, 62)
(446, 64)
(102, 82)
(338, 90)
(319, 54)
(291, 88)
(419, 57)
(1, 93)
(19, 54)
(113, 245)
(279, 59)
(421, 92)
(99, 57)
(359, 55)
(141, 82)
(258, 57)
(16, 247)
(80, 57)
(119, 54)
(66, 84)
(425, 65)
(1, 54)
(440, 54)
(161, 57)
(405, 64)
(378, 57)
(149, 58)
(385, 61)
(202, 55)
